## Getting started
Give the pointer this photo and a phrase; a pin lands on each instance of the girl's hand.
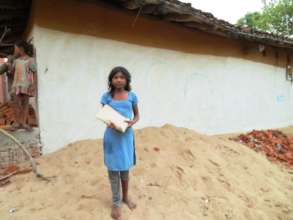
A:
(111, 125)
(130, 122)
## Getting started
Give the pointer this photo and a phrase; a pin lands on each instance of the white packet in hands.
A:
(107, 115)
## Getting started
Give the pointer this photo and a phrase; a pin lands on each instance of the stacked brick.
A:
(14, 161)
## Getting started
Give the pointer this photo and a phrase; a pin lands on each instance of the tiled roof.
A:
(187, 16)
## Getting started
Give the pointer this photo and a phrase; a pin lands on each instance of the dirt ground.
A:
(180, 174)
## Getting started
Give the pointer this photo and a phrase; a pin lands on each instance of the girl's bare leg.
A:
(25, 111)
(16, 110)
(21, 109)
(124, 175)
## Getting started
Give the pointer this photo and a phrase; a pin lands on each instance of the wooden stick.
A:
(8, 176)
(6, 30)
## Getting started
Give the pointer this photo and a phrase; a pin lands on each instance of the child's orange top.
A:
(23, 69)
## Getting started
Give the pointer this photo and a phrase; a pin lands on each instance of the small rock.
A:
(12, 210)
(156, 149)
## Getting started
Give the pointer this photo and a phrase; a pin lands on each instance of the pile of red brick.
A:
(7, 116)
(275, 144)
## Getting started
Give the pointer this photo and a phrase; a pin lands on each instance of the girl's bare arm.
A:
(135, 118)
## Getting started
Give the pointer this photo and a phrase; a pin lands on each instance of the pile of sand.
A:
(287, 130)
(180, 175)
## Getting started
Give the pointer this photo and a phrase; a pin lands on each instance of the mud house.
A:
(189, 68)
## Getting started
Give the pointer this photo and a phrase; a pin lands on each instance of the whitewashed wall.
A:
(210, 94)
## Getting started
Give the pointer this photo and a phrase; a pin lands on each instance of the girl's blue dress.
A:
(119, 148)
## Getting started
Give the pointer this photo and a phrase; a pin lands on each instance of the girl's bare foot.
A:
(131, 205)
(14, 127)
(27, 127)
(115, 213)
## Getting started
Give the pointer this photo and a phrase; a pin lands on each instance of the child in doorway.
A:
(119, 148)
(23, 86)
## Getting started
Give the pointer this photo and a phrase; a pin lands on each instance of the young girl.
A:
(119, 149)
(23, 87)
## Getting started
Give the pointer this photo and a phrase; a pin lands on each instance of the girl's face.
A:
(119, 81)
(18, 51)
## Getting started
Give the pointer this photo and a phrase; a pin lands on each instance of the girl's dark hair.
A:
(28, 48)
(126, 74)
